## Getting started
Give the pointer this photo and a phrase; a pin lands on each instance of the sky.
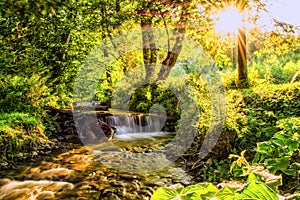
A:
(287, 11)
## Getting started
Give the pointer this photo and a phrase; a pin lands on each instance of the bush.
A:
(251, 117)
(280, 154)
(256, 186)
(145, 97)
(24, 123)
(21, 136)
(24, 94)
(277, 69)
(252, 114)
(230, 77)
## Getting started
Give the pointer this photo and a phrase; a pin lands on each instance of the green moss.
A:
(21, 136)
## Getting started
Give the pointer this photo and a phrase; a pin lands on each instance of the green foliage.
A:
(21, 136)
(241, 168)
(275, 68)
(229, 78)
(258, 191)
(26, 94)
(42, 45)
(200, 191)
(112, 78)
(252, 114)
(260, 184)
(281, 152)
(208, 191)
(147, 96)
(24, 123)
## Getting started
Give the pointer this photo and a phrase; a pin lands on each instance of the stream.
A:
(77, 171)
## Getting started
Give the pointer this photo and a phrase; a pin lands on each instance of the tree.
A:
(242, 59)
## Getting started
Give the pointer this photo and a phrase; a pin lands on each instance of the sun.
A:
(228, 20)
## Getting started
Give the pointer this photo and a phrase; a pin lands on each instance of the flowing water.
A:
(76, 171)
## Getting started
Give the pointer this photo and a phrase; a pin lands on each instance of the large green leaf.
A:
(201, 191)
(258, 191)
(228, 194)
(164, 194)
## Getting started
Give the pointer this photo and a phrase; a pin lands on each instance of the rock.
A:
(60, 138)
(145, 192)
(110, 196)
(4, 181)
(103, 178)
(70, 137)
(133, 195)
(136, 185)
(82, 198)
(151, 189)
(117, 184)
(129, 177)
(105, 192)
(80, 193)
(35, 170)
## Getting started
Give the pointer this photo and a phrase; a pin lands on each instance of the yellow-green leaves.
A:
(200, 191)
(253, 190)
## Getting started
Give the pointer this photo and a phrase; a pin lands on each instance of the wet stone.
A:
(145, 192)
(82, 198)
(129, 177)
(111, 196)
(60, 138)
(96, 186)
(117, 184)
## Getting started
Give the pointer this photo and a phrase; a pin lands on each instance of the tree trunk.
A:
(172, 56)
(242, 59)
(149, 46)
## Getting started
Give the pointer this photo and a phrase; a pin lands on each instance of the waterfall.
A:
(136, 123)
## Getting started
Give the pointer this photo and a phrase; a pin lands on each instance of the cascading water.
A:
(137, 125)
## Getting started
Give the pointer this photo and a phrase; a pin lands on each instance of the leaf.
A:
(199, 189)
(276, 164)
(258, 191)
(202, 191)
(227, 194)
(212, 190)
(253, 178)
(164, 194)
(292, 170)
(263, 147)
(293, 145)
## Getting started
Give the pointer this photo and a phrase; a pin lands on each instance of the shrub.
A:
(21, 136)
(230, 77)
(252, 114)
(24, 94)
(277, 69)
(24, 123)
(257, 183)
(280, 154)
